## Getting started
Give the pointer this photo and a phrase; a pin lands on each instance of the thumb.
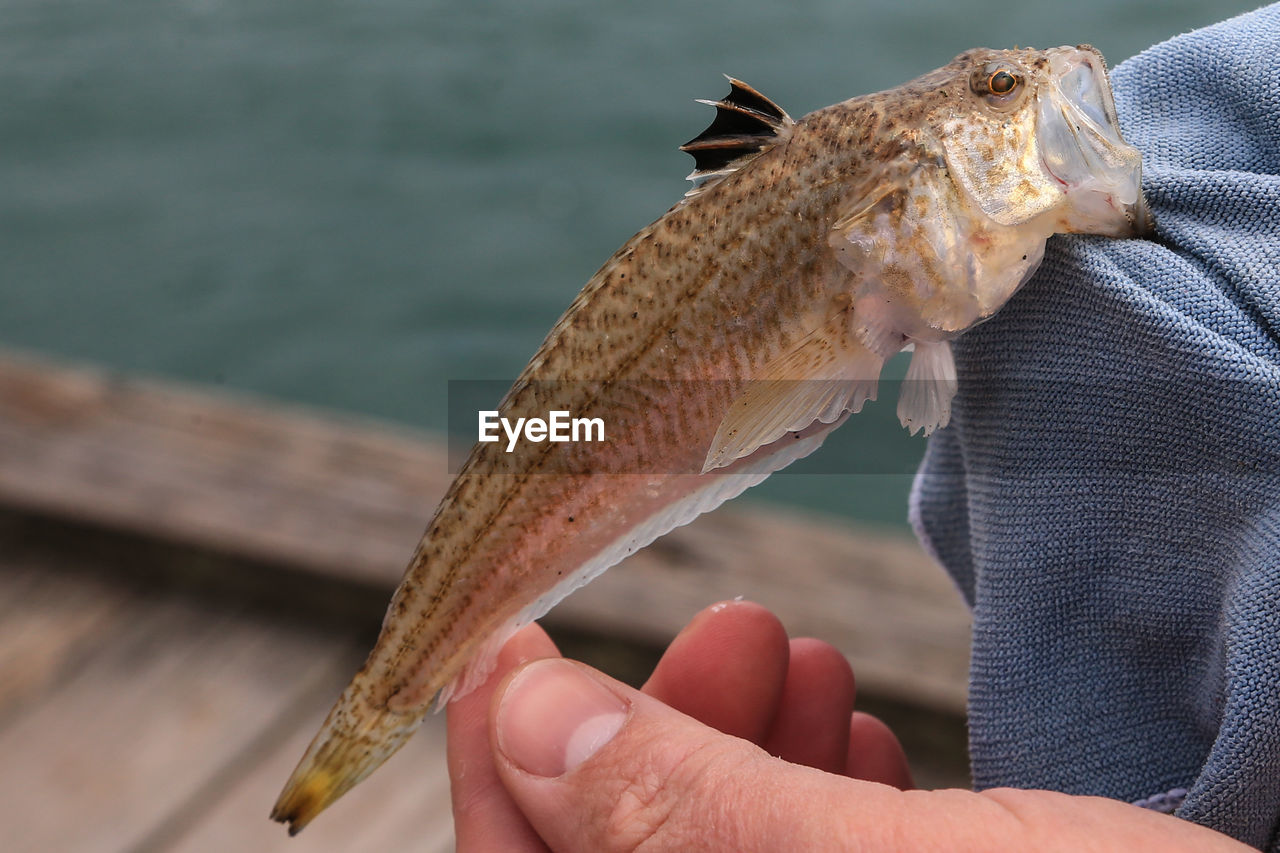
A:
(595, 765)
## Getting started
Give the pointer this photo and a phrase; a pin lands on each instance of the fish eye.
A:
(1001, 82)
(998, 83)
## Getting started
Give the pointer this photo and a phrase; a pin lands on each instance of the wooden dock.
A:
(187, 580)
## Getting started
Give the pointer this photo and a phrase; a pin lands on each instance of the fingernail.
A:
(553, 716)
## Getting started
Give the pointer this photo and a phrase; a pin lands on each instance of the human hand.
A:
(551, 754)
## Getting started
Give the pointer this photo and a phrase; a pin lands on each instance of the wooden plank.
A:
(112, 641)
(107, 756)
(49, 623)
(349, 499)
(332, 493)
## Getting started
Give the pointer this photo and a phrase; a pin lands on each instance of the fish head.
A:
(1031, 136)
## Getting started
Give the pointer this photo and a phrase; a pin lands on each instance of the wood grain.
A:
(150, 723)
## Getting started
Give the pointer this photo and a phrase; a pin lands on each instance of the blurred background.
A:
(344, 206)
(349, 204)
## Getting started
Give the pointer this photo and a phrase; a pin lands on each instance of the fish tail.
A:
(356, 738)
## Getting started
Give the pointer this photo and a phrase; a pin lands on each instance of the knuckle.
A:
(653, 810)
(472, 802)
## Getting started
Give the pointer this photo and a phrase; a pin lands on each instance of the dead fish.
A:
(726, 339)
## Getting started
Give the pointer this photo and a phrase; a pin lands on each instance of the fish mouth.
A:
(1082, 148)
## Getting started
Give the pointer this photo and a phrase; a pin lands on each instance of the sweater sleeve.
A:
(1108, 496)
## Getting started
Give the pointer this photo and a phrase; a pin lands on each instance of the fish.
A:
(729, 337)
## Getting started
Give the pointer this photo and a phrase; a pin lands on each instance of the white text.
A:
(558, 426)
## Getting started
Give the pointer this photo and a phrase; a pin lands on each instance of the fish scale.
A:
(726, 339)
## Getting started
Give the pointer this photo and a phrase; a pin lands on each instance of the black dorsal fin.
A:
(746, 124)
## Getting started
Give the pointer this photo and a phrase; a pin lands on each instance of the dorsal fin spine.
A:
(746, 124)
(745, 95)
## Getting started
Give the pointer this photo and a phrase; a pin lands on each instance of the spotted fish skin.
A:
(727, 338)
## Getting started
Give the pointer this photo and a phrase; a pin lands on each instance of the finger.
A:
(484, 816)
(875, 753)
(811, 726)
(597, 766)
(726, 669)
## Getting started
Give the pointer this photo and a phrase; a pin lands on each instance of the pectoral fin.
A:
(826, 374)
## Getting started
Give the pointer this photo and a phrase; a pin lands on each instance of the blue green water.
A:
(348, 204)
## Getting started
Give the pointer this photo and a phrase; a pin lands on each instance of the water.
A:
(348, 204)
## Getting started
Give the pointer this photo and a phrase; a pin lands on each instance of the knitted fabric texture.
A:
(1108, 495)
